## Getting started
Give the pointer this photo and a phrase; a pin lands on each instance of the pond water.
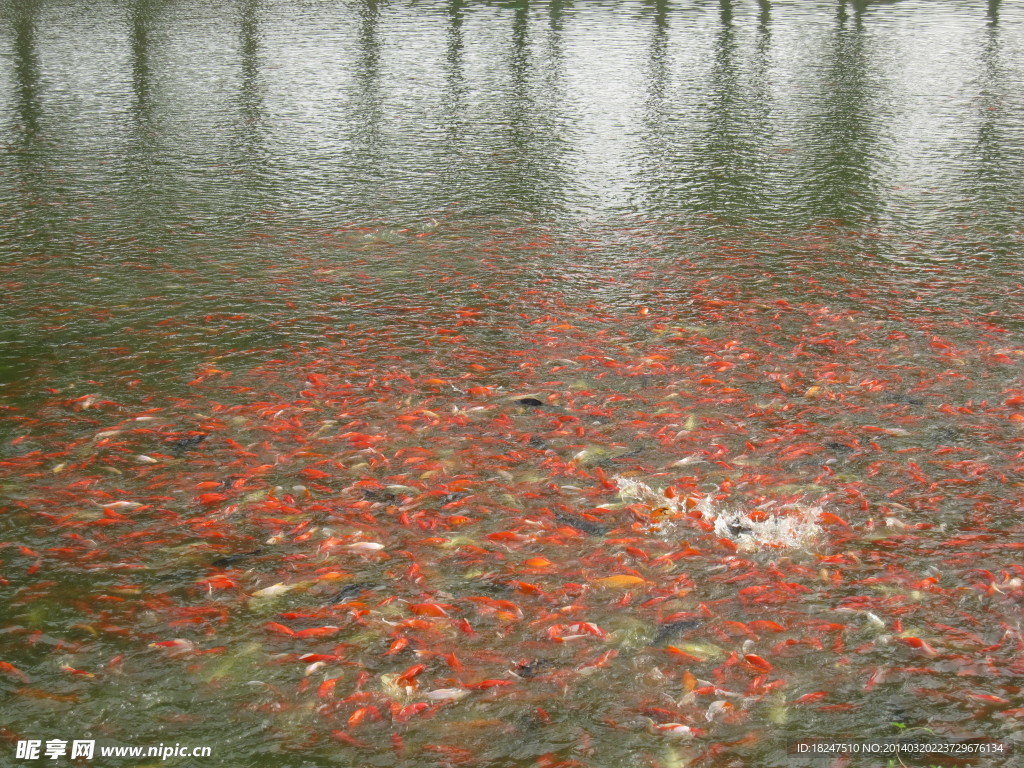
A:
(519, 384)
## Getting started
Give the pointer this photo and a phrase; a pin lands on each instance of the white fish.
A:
(446, 694)
(873, 619)
(273, 591)
(691, 459)
(717, 708)
(364, 546)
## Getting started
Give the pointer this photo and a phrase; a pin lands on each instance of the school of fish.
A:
(634, 498)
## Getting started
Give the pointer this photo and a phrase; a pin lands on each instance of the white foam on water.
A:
(790, 526)
(775, 525)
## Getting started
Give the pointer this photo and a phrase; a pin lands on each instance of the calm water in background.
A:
(187, 186)
(159, 134)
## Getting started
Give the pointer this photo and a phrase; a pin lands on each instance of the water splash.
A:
(768, 525)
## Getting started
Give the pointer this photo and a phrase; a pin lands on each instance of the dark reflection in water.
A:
(251, 129)
(521, 137)
(556, 13)
(726, 12)
(16, 353)
(709, 152)
(28, 182)
(139, 20)
(861, 6)
(746, 111)
(142, 160)
(526, 179)
(728, 181)
(737, 121)
(994, 181)
(843, 138)
(367, 115)
(251, 97)
(455, 76)
(26, 69)
(658, 62)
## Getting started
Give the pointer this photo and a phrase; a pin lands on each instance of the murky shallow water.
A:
(347, 352)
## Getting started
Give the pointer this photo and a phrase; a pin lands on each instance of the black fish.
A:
(842, 448)
(531, 402)
(224, 562)
(381, 496)
(526, 670)
(352, 590)
(737, 530)
(186, 444)
(674, 629)
(580, 524)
